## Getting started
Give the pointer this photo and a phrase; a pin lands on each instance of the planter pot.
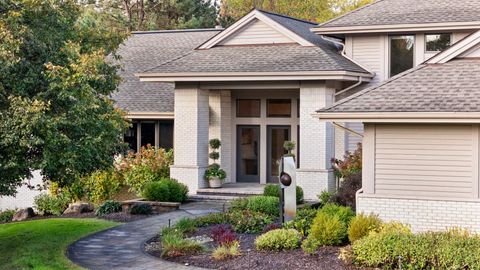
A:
(215, 182)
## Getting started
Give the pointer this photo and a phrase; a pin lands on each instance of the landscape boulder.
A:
(78, 208)
(23, 214)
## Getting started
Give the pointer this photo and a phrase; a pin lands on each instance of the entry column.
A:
(190, 136)
(316, 140)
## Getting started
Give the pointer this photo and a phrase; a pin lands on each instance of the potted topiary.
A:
(214, 174)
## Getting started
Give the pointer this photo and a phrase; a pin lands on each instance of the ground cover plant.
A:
(41, 244)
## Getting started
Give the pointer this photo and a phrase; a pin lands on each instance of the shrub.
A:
(224, 252)
(329, 227)
(51, 205)
(279, 239)
(303, 220)
(248, 221)
(148, 165)
(345, 214)
(165, 190)
(141, 209)
(186, 225)
(310, 245)
(345, 194)
(327, 230)
(211, 219)
(222, 234)
(274, 191)
(362, 225)
(325, 197)
(264, 204)
(173, 244)
(6, 215)
(101, 186)
(351, 163)
(108, 207)
(156, 191)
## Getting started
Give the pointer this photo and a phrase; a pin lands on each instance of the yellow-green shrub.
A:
(362, 225)
(279, 239)
(103, 185)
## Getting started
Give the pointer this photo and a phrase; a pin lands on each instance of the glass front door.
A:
(276, 136)
(248, 150)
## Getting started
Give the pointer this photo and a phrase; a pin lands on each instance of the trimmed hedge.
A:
(165, 190)
(263, 204)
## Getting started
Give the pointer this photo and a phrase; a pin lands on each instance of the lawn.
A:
(41, 244)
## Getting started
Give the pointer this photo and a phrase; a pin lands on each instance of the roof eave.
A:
(253, 76)
(149, 115)
(337, 30)
(399, 117)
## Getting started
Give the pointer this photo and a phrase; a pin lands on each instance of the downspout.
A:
(343, 53)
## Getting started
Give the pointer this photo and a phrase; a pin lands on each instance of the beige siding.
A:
(424, 160)
(256, 32)
(368, 50)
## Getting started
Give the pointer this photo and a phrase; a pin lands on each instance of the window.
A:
(166, 135)
(279, 108)
(401, 53)
(147, 134)
(248, 107)
(437, 42)
(131, 137)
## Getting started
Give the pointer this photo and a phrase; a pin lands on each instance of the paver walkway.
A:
(122, 247)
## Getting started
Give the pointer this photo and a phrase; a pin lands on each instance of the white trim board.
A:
(456, 50)
(250, 17)
(400, 117)
(395, 28)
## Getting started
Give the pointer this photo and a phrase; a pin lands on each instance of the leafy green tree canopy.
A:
(55, 114)
(310, 10)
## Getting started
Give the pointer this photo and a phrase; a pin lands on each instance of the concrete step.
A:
(214, 197)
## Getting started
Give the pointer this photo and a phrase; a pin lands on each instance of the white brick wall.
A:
(423, 214)
(317, 141)
(24, 197)
(191, 136)
(221, 126)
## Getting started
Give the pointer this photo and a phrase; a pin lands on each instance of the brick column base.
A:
(189, 175)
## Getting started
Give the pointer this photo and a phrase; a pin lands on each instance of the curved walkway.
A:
(121, 247)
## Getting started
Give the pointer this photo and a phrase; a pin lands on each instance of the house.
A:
(421, 138)
(255, 85)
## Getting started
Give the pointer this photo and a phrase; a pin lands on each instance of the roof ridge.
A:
(350, 12)
(286, 16)
(176, 31)
(369, 89)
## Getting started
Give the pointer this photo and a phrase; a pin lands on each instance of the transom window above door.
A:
(248, 107)
(279, 107)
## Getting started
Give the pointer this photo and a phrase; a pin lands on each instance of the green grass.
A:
(41, 244)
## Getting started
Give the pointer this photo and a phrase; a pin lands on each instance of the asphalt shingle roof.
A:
(146, 50)
(325, 56)
(391, 12)
(450, 87)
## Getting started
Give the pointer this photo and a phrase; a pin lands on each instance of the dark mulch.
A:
(325, 258)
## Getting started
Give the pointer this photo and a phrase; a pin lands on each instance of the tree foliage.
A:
(311, 10)
(162, 14)
(55, 114)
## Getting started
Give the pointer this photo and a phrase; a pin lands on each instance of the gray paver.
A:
(122, 247)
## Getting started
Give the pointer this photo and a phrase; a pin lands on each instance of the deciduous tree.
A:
(55, 79)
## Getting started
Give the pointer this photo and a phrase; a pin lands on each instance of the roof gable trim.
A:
(456, 50)
(247, 19)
